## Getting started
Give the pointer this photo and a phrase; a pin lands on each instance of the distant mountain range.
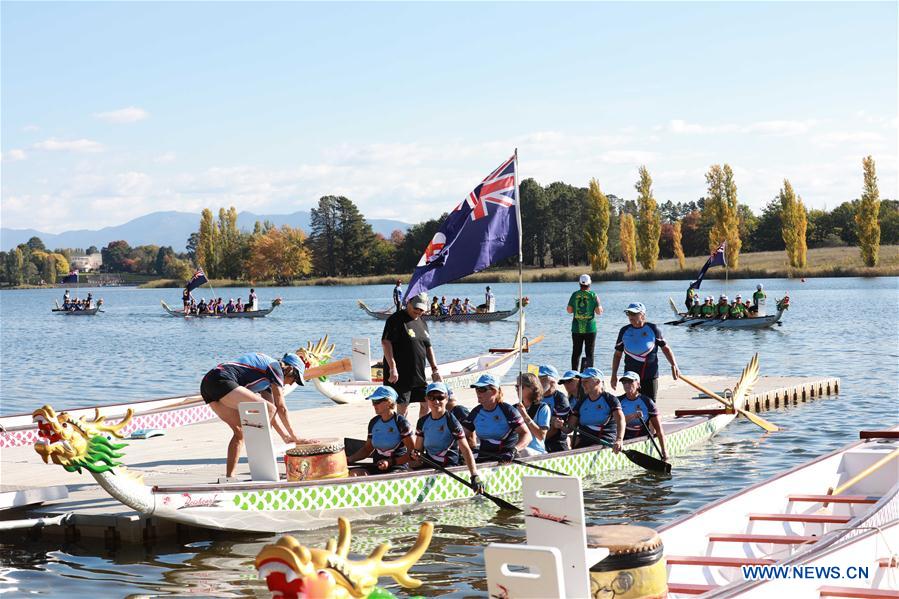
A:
(165, 228)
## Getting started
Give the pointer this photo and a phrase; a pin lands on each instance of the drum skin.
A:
(317, 460)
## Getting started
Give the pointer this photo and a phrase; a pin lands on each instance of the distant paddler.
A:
(252, 377)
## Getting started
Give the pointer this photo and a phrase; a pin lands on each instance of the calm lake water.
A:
(835, 327)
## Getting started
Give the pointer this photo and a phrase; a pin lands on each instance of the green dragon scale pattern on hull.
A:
(438, 488)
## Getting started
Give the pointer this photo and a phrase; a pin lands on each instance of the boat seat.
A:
(772, 539)
(888, 562)
(711, 560)
(856, 592)
(805, 518)
(678, 588)
(833, 498)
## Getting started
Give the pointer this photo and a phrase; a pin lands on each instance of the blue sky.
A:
(113, 110)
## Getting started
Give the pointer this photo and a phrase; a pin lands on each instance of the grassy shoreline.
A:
(822, 262)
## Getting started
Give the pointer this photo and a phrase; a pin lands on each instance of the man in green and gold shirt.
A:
(585, 306)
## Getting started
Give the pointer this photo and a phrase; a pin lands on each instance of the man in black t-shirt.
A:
(407, 345)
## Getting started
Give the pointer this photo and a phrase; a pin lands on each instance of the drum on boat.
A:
(634, 567)
(319, 459)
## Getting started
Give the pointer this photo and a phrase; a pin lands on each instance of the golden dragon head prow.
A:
(293, 570)
(78, 444)
(316, 354)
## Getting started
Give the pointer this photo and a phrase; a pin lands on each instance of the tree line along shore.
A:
(565, 229)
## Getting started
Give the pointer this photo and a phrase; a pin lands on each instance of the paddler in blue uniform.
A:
(640, 342)
(389, 440)
(498, 426)
(598, 413)
(637, 407)
(556, 439)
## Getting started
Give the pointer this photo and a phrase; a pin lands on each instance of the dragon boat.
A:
(368, 374)
(752, 322)
(304, 505)
(281, 505)
(246, 314)
(76, 312)
(471, 317)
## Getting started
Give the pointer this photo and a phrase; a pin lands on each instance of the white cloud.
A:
(131, 114)
(775, 127)
(73, 145)
(14, 155)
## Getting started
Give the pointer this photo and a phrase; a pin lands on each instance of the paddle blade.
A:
(502, 503)
(759, 421)
(647, 461)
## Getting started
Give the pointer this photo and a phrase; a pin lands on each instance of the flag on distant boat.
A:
(482, 230)
(72, 277)
(716, 259)
(198, 279)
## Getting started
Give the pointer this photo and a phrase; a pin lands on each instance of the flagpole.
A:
(520, 260)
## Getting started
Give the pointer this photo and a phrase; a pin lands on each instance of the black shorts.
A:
(216, 385)
(413, 395)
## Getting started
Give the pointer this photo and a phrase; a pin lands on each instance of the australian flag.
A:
(480, 231)
(198, 279)
(72, 277)
(716, 259)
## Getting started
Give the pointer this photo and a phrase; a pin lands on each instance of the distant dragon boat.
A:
(752, 322)
(78, 312)
(245, 314)
(470, 317)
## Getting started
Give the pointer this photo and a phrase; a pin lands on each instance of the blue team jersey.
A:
(642, 405)
(387, 436)
(641, 348)
(558, 403)
(595, 415)
(441, 437)
(495, 428)
(541, 417)
(256, 372)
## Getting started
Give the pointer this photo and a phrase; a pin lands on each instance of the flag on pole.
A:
(480, 231)
(198, 279)
(716, 259)
(72, 277)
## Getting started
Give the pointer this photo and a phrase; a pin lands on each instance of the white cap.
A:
(585, 280)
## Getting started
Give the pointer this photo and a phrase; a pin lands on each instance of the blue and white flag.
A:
(480, 231)
(198, 279)
(716, 259)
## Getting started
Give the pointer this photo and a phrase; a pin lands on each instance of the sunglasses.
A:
(437, 397)
(483, 389)
(375, 402)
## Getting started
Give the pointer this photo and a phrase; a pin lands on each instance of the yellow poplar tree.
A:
(207, 246)
(801, 220)
(678, 248)
(627, 239)
(597, 230)
(793, 225)
(721, 202)
(866, 218)
(649, 223)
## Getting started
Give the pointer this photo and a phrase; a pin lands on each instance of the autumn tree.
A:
(627, 241)
(793, 225)
(649, 226)
(866, 217)
(207, 245)
(280, 255)
(678, 248)
(723, 210)
(597, 229)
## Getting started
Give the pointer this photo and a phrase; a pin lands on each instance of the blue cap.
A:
(294, 361)
(570, 374)
(548, 370)
(383, 392)
(438, 386)
(630, 375)
(486, 380)
(636, 308)
(592, 373)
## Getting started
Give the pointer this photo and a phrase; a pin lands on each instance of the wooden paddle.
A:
(502, 503)
(867, 472)
(531, 342)
(344, 365)
(747, 380)
(523, 463)
(639, 458)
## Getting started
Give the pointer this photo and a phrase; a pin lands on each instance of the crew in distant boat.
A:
(435, 307)
(252, 301)
(737, 309)
(723, 307)
(489, 300)
(708, 308)
(65, 298)
(498, 426)
(640, 411)
(398, 295)
(696, 309)
(187, 300)
(389, 440)
(467, 307)
(758, 301)
(692, 298)
(89, 300)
